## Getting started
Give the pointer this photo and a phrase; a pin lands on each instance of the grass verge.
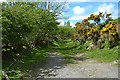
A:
(17, 70)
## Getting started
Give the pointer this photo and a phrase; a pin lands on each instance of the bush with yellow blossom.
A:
(87, 29)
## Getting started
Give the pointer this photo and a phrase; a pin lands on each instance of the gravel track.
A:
(56, 67)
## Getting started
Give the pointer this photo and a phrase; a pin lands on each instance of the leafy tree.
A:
(24, 23)
(68, 24)
(65, 32)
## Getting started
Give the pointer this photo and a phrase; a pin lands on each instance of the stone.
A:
(50, 70)
(41, 74)
(90, 74)
(90, 47)
(39, 77)
(46, 71)
(115, 62)
(41, 69)
(57, 67)
(52, 74)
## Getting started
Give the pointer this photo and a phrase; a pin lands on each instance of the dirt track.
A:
(56, 67)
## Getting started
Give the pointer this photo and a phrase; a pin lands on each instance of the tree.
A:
(68, 24)
(26, 22)
(65, 32)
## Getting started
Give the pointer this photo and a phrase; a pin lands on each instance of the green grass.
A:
(64, 44)
(103, 55)
(35, 56)
(67, 48)
(24, 64)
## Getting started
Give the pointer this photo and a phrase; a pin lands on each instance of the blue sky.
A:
(77, 11)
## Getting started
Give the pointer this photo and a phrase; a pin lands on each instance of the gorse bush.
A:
(97, 30)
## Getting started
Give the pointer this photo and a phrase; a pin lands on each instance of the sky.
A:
(77, 11)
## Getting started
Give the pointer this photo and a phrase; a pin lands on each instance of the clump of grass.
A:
(104, 55)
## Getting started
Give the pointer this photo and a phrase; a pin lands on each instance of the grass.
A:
(104, 55)
(64, 44)
(24, 64)
(67, 48)
(35, 56)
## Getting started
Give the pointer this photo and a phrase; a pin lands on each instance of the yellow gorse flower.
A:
(78, 24)
(75, 35)
(111, 27)
(92, 29)
(96, 29)
(100, 14)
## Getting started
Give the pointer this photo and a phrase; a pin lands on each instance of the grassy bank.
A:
(103, 55)
(69, 48)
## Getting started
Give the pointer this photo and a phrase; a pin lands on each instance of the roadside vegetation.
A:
(30, 31)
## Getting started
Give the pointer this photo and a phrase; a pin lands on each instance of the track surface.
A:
(56, 67)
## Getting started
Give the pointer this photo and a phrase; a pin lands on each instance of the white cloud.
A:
(71, 24)
(61, 22)
(3, 0)
(86, 0)
(104, 7)
(78, 17)
(78, 10)
(109, 8)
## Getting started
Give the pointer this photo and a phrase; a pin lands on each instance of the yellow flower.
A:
(104, 29)
(88, 33)
(100, 13)
(103, 14)
(96, 29)
(107, 26)
(92, 17)
(88, 28)
(96, 16)
(78, 24)
(88, 18)
(93, 30)
(80, 28)
(113, 33)
(75, 35)
(85, 20)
